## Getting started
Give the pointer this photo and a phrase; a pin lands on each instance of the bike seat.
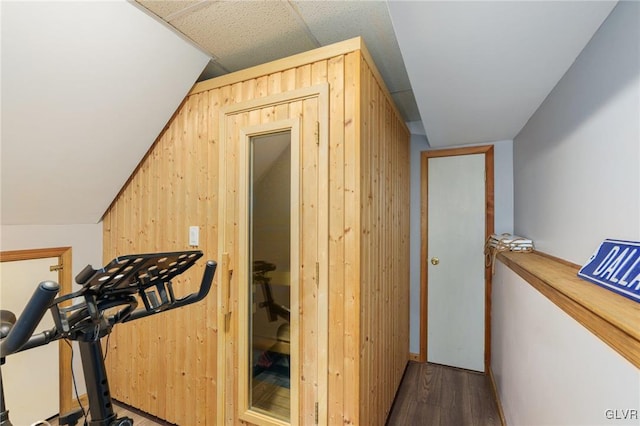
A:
(7, 319)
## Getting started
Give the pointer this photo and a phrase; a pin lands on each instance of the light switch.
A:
(194, 235)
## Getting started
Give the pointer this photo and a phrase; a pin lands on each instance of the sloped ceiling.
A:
(86, 89)
(88, 86)
(464, 71)
(480, 69)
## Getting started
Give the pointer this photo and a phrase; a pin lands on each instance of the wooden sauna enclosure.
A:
(297, 174)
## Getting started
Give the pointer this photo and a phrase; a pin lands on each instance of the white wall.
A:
(87, 86)
(86, 248)
(418, 143)
(549, 369)
(503, 219)
(576, 182)
(577, 179)
(85, 241)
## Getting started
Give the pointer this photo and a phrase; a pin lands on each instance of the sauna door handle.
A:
(227, 274)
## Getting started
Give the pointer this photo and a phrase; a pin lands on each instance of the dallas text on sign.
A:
(613, 263)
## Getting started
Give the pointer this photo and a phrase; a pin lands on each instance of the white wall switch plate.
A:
(194, 235)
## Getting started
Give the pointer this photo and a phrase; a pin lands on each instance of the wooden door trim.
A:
(64, 279)
(487, 150)
(293, 125)
(321, 92)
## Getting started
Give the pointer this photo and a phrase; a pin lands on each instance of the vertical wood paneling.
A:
(384, 250)
(157, 364)
(199, 315)
(318, 72)
(351, 260)
(210, 230)
(150, 345)
(288, 82)
(297, 258)
(261, 86)
(336, 241)
(178, 184)
(231, 236)
(274, 83)
(172, 345)
(366, 213)
(163, 157)
(308, 259)
(303, 76)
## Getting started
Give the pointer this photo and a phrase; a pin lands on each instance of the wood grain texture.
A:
(162, 364)
(190, 177)
(335, 398)
(612, 318)
(435, 395)
(298, 111)
(292, 62)
(384, 184)
(351, 261)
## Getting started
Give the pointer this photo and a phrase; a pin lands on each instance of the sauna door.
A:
(273, 290)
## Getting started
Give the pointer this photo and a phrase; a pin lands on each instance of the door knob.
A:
(435, 261)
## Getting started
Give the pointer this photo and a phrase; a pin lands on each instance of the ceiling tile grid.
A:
(165, 9)
(242, 34)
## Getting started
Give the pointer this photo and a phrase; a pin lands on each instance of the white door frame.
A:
(487, 150)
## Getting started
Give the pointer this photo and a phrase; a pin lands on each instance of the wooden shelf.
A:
(612, 318)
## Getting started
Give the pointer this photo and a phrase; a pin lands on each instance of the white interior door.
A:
(455, 261)
(30, 378)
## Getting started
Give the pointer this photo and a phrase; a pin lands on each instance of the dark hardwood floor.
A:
(432, 395)
(429, 395)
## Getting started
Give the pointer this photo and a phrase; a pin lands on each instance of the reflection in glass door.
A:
(269, 275)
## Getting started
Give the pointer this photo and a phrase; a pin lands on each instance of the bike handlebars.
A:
(27, 322)
(205, 286)
(108, 296)
(104, 290)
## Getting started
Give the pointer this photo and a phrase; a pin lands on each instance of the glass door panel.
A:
(269, 275)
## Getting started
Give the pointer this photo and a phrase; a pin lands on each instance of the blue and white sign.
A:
(615, 266)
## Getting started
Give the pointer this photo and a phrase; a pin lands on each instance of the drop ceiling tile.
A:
(242, 34)
(166, 8)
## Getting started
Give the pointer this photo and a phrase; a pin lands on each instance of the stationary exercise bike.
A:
(108, 296)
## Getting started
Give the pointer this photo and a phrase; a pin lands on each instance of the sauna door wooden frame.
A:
(305, 113)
